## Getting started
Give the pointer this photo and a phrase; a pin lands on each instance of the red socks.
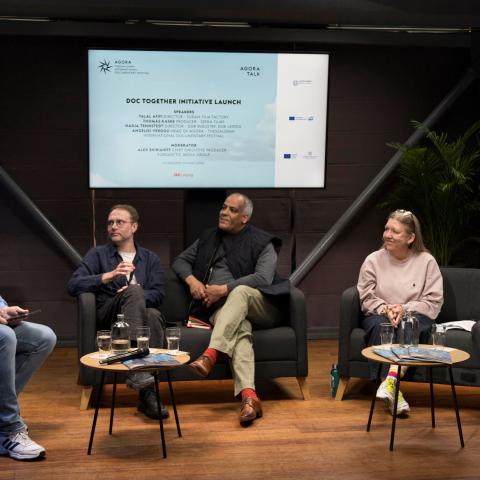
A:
(249, 392)
(212, 354)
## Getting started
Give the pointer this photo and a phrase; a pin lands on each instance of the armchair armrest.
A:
(350, 315)
(298, 321)
(86, 323)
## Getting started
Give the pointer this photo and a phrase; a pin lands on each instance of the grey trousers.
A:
(246, 307)
(131, 302)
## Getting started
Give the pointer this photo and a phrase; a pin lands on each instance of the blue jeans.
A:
(23, 349)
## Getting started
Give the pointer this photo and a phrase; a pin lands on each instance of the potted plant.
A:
(439, 182)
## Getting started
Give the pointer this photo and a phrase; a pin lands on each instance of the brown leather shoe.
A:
(251, 409)
(202, 366)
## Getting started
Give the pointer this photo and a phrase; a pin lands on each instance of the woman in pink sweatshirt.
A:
(401, 276)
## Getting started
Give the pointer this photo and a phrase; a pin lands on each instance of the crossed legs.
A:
(245, 308)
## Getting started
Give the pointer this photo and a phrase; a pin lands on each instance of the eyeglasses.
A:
(118, 223)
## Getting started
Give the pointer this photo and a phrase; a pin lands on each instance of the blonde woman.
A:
(401, 276)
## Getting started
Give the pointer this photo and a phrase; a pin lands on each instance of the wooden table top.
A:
(91, 360)
(456, 354)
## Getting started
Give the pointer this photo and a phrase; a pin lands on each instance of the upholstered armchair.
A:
(461, 302)
(279, 352)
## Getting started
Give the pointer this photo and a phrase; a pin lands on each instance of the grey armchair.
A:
(279, 352)
(461, 292)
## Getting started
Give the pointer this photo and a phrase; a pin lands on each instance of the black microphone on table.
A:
(138, 353)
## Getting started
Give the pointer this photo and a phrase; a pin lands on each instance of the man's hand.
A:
(213, 293)
(7, 312)
(122, 269)
(197, 288)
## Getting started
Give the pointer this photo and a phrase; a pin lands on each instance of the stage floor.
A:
(296, 439)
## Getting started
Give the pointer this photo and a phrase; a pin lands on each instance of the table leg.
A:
(454, 395)
(432, 397)
(160, 419)
(172, 398)
(97, 405)
(112, 409)
(374, 397)
(394, 413)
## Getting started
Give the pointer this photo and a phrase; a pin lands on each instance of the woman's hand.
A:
(395, 313)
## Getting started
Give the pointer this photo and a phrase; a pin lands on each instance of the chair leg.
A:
(304, 388)
(85, 397)
(342, 386)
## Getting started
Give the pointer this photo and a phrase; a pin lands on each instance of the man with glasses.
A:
(127, 279)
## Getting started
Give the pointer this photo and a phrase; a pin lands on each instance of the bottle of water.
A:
(409, 332)
(334, 379)
(120, 335)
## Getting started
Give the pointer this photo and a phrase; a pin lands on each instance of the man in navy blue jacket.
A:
(127, 279)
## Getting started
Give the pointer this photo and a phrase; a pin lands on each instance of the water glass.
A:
(438, 336)
(104, 342)
(142, 335)
(386, 333)
(173, 339)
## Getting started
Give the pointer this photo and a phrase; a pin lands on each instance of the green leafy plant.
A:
(439, 182)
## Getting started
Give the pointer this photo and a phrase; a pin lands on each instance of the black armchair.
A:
(279, 352)
(461, 287)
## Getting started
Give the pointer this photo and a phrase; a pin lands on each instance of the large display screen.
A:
(161, 119)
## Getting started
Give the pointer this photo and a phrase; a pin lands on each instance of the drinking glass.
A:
(386, 333)
(104, 342)
(438, 336)
(142, 335)
(173, 339)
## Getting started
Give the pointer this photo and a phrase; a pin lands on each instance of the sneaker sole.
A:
(400, 413)
(18, 456)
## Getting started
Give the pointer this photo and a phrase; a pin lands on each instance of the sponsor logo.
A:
(296, 83)
(289, 156)
(293, 118)
(104, 66)
(310, 156)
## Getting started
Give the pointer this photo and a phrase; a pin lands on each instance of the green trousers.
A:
(246, 307)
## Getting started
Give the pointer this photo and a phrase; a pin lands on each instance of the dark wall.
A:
(373, 94)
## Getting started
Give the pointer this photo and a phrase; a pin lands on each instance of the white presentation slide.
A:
(207, 119)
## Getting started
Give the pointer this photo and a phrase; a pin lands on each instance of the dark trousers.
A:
(371, 325)
(131, 302)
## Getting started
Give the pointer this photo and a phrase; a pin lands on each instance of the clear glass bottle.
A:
(408, 335)
(120, 335)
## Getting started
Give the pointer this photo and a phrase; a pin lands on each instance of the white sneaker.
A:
(20, 446)
(386, 392)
